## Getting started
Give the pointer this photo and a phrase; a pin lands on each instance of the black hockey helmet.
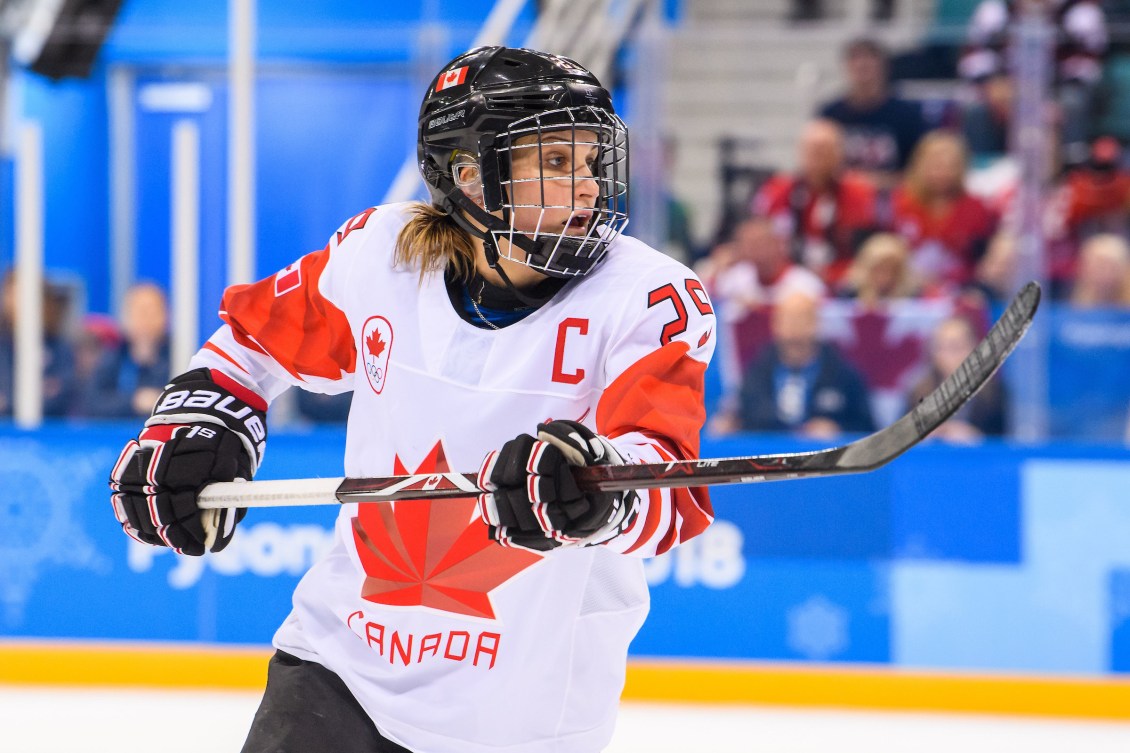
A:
(475, 111)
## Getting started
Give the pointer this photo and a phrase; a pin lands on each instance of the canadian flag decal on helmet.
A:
(376, 344)
(451, 78)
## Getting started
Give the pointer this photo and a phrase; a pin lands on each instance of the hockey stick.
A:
(864, 454)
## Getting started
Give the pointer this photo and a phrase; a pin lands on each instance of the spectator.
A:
(1103, 276)
(130, 377)
(1081, 44)
(881, 272)
(880, 130)
(1000, 187)
(984, 414)
(946, 227)
(753, 269)
(97, 334)
(824, 211)
(995, 274)
(1098, 192)
(678, 242)
(801, 384)
(58, 355)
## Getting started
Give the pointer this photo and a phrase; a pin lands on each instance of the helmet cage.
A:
(551, 248)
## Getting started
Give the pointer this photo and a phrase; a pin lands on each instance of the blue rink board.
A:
(993, 557)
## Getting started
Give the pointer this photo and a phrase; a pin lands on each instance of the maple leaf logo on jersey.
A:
(433, 554)
(376, 337)
(375, 344)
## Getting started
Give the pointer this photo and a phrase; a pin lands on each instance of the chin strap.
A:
(456, 200)
(462, 209)
(529, 300)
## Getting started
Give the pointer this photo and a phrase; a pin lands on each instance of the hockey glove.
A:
(532, 500)
(206, 427)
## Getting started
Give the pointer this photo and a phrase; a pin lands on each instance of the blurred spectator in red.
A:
(1081, 43)
(58, 355)
(880, 130)
(946, 227)
(1098, 192)
(984, 414)
(824, 211)
(799, 383)
(880, 273)
(753, 269)
(1103, 276)
(130, 377)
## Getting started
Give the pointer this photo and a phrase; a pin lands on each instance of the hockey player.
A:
(511, 319)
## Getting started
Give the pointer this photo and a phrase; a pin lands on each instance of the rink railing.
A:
(993, 578)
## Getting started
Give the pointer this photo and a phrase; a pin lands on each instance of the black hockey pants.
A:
(307, 709)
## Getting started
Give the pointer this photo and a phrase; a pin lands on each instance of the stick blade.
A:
(957, 389)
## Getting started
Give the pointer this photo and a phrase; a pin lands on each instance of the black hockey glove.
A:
(206, 427)
(532, 500)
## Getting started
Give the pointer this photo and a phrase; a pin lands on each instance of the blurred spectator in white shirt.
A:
(753, 270)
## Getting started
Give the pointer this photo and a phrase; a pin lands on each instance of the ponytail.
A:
(432, 240)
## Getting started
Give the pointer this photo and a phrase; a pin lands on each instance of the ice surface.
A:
(53, 720)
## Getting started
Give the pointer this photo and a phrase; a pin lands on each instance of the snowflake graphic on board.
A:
(39, 523)
(817, 628)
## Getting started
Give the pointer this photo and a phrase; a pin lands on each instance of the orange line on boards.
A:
(876, 687)
(838, 686)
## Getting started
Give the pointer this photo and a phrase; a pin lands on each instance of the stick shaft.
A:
(860, 456)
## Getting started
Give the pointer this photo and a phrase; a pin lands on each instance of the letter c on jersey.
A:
(376, 345)
(559, 373)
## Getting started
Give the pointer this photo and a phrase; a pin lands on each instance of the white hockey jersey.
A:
(450, 642)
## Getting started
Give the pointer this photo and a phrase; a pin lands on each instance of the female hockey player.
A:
(509, 304)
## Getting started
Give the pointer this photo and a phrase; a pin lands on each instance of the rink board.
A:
(955, 578)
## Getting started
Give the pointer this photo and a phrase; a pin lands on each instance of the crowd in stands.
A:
(888, 212)
(888, 215)
(106, 368)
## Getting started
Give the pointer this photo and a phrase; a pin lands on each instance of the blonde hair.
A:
(915, 180)
(432, 240)
(879, 248)
(1111, 251)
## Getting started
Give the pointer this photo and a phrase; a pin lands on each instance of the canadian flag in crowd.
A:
(454, 77)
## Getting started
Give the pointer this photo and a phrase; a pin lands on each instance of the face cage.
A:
(572, 127)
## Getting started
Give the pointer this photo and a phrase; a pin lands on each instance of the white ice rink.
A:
(42, 720)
